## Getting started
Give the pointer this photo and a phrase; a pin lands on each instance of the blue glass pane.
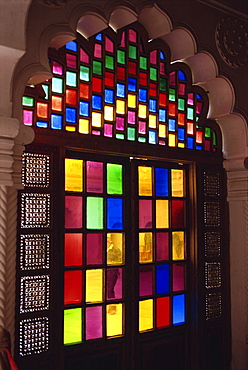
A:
(84, 108)
(198, 96)
(153, 105)
(56, 122)
(162, 184)
(181, 76)
(190, 143)
(162, 115)
(72, 45)
(96, 102)
(99, 37)
(152, 137)
(71, 115)
(162, 56)
(109, 96)
(114, 213)
(162, 279)
(132, 84)
(172, 124)
(181, 134)
(198, 147)
(178, 309)
(143, 95)
(121, 91)
(42, 124)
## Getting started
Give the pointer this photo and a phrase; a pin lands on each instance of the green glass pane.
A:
(153, 74)
(27, 101)
(84, 73)
(142, 139)
(132, 52)
(94, 213)
(121, 56)
(162, 85)
(57, 85)
(197, 118)
(72, 326)
(172, 94)
(207, 132)
(120, 136)
(143, 63)
(97, 67)
(46, 89)
(214, 138)
(114, 178)
(109, 62)
(190, 113)
(181, 104)
(131, 133)
(71, 79)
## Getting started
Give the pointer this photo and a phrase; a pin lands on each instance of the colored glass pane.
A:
(84, 91)
(96, 84)
(131, 101)
(131, 132)
(181, 89)
(172, 78)
(190, 113)
(143, 95)
(162, 84)
(73, 287)
(84, 109)
(152, 121)
(57, 68)
(94, 286)
(114, 283)
(27, 101)
(84, 57)
(132, 35)
(114, 178)
(178, 278)
(162, 312)
(99, 37)
(145, 214)
(72, 45)
(120, 106)
(190, 128)
(121, 56)
(71, 97)
(73, 212)
(181, 118)
(145, 247)
(94, 177)
(97, 102)
(93, 322)
(132, 52)
(73, 174)
(153, 74)
(162, 68)
(42, 110)
(71, 78)
(178, 309)
(94, 249)
(96, 119)
(71, 61)
(46, 90)
(73, 252)
(121, 90)
(142, 111)
(177, 183)
(71, 115)
(177, 214)
(153, 57)
(162, 279)
(94, 213)
(162, 116)
(131, 117)
(28, 117)
(109, 96)
(190, 99)
(73, 326)
(98, 51)
(162, 246)
(142, 127)
(145, 180)
(198, 107)
(172, 140)
(132, 84)
(153, 89)
(109, 62)
(121, 73)
(161, 182)
(57, 85)
(145, 315)
(145, 280)
(83, 126)
(172, 110)
(108, 113)
(42, 124)
(172, 94)
(178, 252)
(162, 213)
(143, 79)
(114, 213)
(181, 134)
(97, 67)
(132, 68)
(190, 142)
(109, 45)
(162, 100)
(172, 124)
(181, 104)
(114, 320)
(143, 62)
(119, 123)
(115, 248)
(153, 105)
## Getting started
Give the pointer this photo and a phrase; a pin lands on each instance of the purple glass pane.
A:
(120, 123)
(145, 280)
(94, 177)
(94, 249)
(145, 214)
(114, 283)
(162, 247)
(93, 321)
(178, 277)
(73, 212)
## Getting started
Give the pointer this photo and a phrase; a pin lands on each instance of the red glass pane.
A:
(121, 73)
(198, 107)
(163, 312)
(162, 100)
(172, 110)
(84, 56)
(181, 119)
(84, 91)
(109, 79)
(162, 246)
(145, 280)
(153, 57)
(162, 68)
(153, 90)
(178, 277)
(94, 249)
(73, 250)
(109, 45)
(145, 214)
(73, 212)
(132, 35)
(97, 84)
(207, 145)
(98, 51)
(132, 68)
(143, 79)
(71, 61)
(172, 78)
(94, 177)
(181, 89)
(93, 318)
(123, 39)
(114, 283)
(177, 213)
(71, 97)
(73, 287)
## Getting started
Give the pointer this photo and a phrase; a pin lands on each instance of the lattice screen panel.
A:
(213, 306)
(34, 293)
(212, 275)
(34, 336)
(212, 243)
(34, 251)
(35, 210)
(35, 170)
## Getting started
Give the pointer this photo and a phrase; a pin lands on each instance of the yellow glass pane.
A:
(94, 286)
(142, 111)
(115, 248)
(178, 245)
(162, 131)
(181, 145)
(162, 213)
(73, 174)
(172, 140)
(177, 183)
(83, 126)
(146, 315)
(70, 128)
(131, 101)
(114, 320)
(145, 247)
(108, 113)
(120, 106)
(152, 121)
(145, 181)
(96, 119)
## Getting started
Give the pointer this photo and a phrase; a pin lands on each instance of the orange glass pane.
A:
(84, 91)
(181, 119)
(42, 110)
(57, 103)
(190, 128)
(199, 136)
(71, 97)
